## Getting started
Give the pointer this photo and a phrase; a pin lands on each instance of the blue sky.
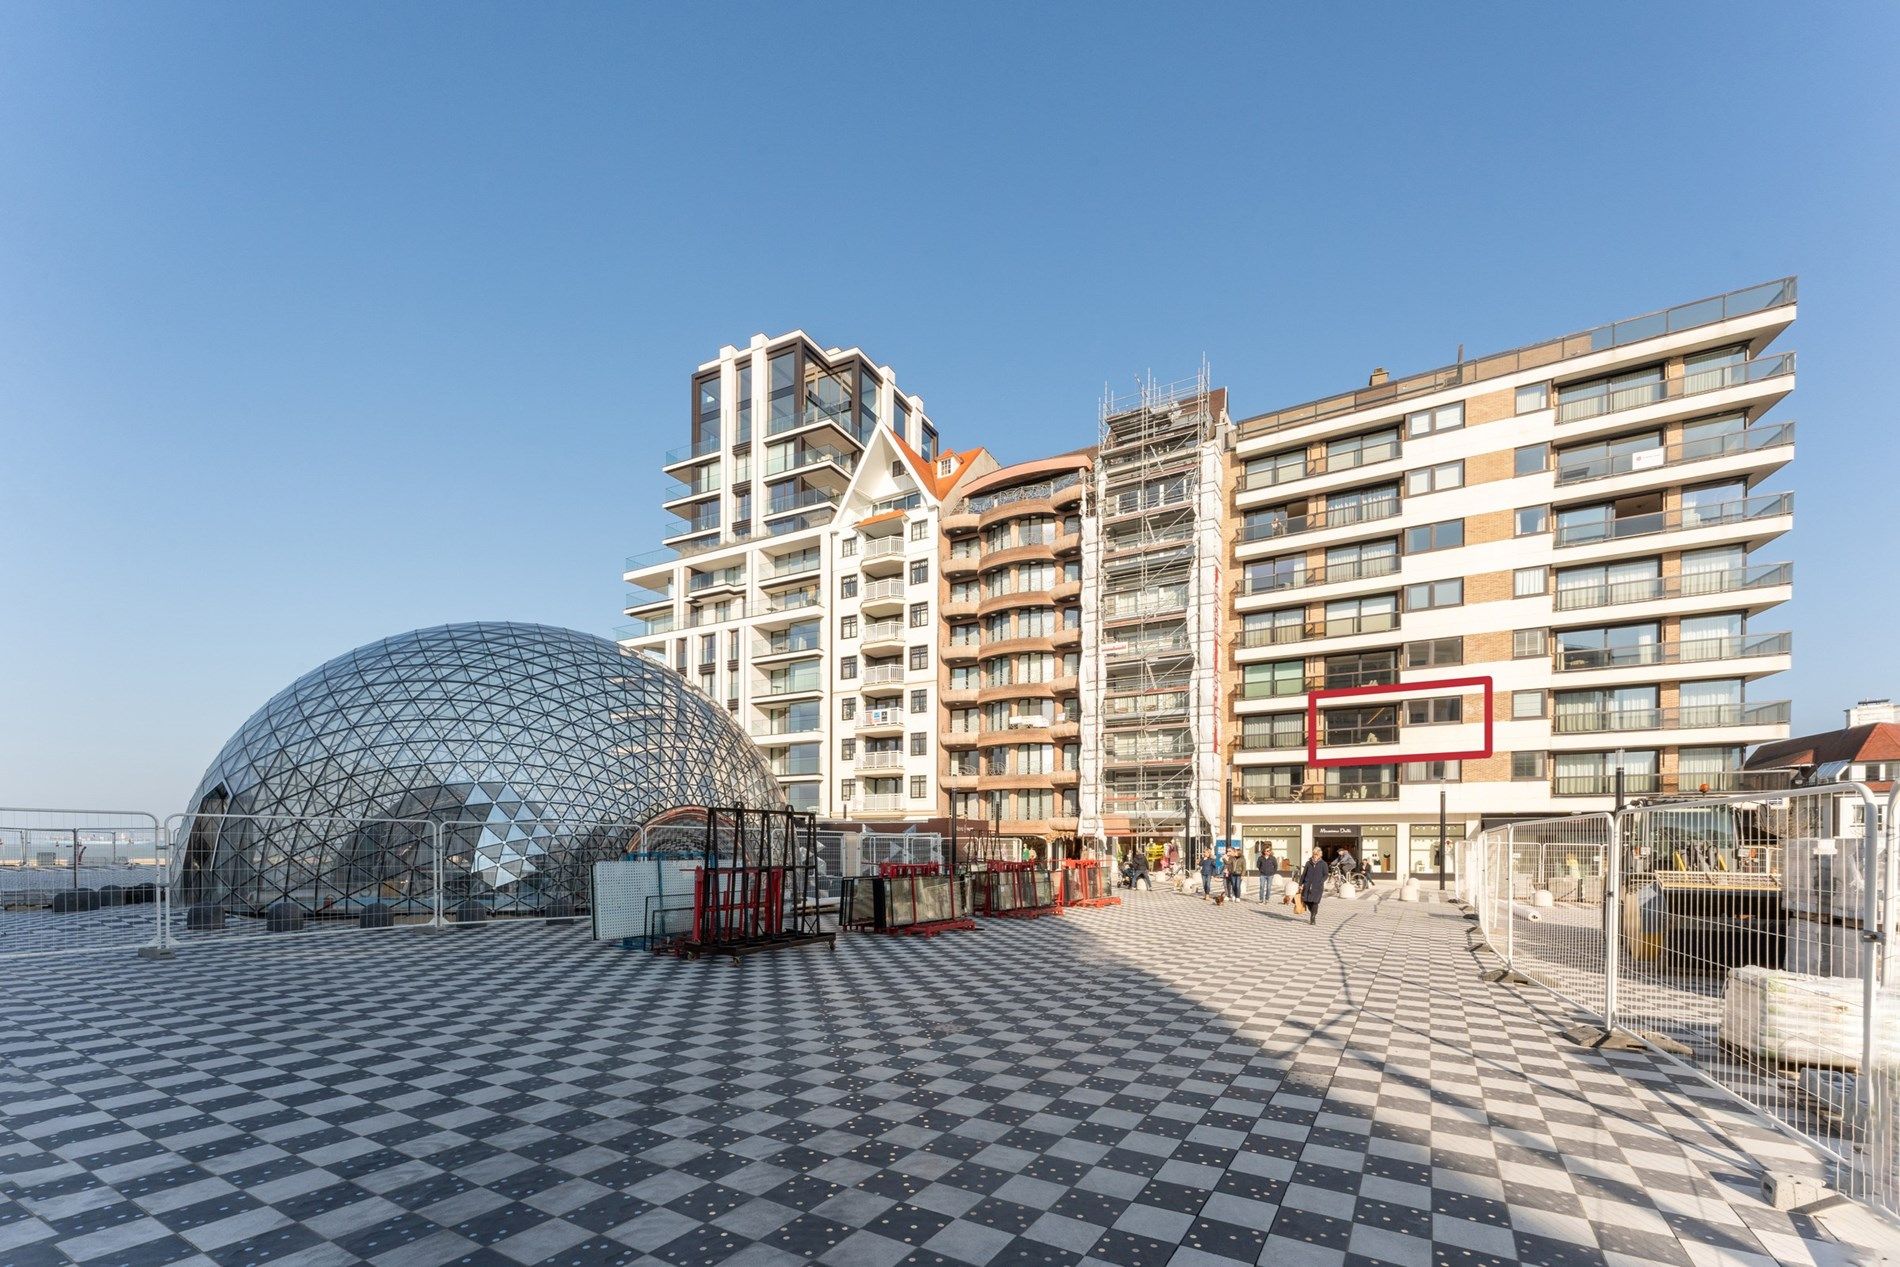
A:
(318, 323)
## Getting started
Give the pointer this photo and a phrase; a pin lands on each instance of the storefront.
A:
(1285, 839)
(1421, 855)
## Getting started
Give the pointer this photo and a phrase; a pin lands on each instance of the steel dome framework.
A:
(523, 752)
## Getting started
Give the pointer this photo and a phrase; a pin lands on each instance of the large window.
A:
(1439, 536)
(1429, 421)
(783, 405)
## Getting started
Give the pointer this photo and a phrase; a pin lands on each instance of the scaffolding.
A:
(1156, 581)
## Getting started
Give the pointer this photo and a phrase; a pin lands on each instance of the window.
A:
(1430, 421)
(920, 572)
(1526, 705)
(1532, 520)
(1432, 772)
(708, 648)
(849, 550)
(847, 788)
(1434, 653)
(1439, 536)
(1530, 459)
(1435, 479)
(1533, 396)
(847, 710)
(920, 701)
(1434, 712)
(920, 657)
(1429, 594)
(847, 667)
(1526, 643)
(1529, 582)
(847, 626)
(1527, 765)
(919, 615)
(919, 529)
(919, 743)
(1276, 468)
(848, 587)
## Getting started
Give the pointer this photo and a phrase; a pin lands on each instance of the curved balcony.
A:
(961, 562)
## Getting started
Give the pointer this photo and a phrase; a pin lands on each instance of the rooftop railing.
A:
(1021, 493)
(1689, 316)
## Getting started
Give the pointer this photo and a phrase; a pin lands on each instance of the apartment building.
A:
(810, 486)
(1152, 758)
(1014, 618)
(1574, 531)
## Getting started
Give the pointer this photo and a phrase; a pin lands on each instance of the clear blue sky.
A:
(318, 323)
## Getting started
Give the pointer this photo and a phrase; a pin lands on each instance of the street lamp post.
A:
(1441, 838)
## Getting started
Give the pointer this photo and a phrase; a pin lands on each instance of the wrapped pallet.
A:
(1792, 1019)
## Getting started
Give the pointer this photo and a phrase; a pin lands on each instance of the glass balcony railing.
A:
(1684, 585)
(1594, 404)
(1692, 651)
(1689, 316)
(1301, 631)
(644, 596)
(1263, 579)
(804, 459)
(1715, 514)
(786, 503)
(1333, 517)
(1271, 741)
(687, 452)
(1692, 717)
(1326, 464)
(1683, 783)
(644, 628)
(1581, 468)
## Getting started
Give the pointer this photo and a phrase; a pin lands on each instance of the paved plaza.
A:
(1159, 1082)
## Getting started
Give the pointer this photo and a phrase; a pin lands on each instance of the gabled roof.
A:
(1876, 741)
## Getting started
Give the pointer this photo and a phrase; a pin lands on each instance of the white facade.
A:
(743, 599)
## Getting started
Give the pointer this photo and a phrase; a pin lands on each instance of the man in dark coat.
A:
(1313, 884)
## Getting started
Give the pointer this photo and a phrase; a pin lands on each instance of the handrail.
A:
(1332, 517)
(1305, 575)
(1638, 395)
(1747, 440)
(1762, 506)
(1692, 717)
(1689, 316)
(1681, 585)
(1674, 651)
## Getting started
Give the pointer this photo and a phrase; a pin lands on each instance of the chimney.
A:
(1379, 376)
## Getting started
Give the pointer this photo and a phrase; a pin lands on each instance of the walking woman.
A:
(1313, 884)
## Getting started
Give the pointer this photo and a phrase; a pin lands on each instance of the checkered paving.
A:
(1159, 1082)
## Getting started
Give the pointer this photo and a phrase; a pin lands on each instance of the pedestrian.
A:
(1138, 869)
(1210, 867)
(1313, 884)
(1236, 868)
(1268, 867)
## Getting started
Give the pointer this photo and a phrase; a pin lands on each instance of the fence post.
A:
(1872, 937)
(1612, 922)
(1510, 898)
(435, 876)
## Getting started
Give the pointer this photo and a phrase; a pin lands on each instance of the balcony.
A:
(960, 650)
(1304, 631)
(1684, 783)
(778, 727)
(691, 452)
(1682, 585)
(1552, 352)
(1306, 468)
(724, 578)
(814, 458)
(645, 627)
(1582, 470)
(674, 492)
(959, 607)
(960, 694)
(882, 674)
(1274, 741)
(1694, 717)
(962, 562)
(796, 565)
(1638, 395)
(1303, 576)
(1336, 517)
(1694, 651)
(789, 503)
(959, 737)
(774, 688)
(885, 803)
(838, 416)
(893, 760)
(882, 636)
(767, 648)
(882, 555)
(881, 721)
(1307, 793)
(1682, 519)
(882, 596)
(694, 524)
(639, 596)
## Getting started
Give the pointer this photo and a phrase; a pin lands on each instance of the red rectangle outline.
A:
(1394, 688)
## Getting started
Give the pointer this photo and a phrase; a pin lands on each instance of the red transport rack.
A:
(1015, 890)
(1085, 883)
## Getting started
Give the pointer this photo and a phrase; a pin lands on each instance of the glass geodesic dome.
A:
(522, 753)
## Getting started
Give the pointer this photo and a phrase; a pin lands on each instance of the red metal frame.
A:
(1313, 699)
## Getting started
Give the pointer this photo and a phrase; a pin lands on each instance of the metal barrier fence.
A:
(74, 881)
(1747, 938)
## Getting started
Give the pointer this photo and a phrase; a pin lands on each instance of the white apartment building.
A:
(1580, 522)
(791, 447)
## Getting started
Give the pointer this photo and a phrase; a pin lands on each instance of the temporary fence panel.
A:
(81, 880)
(1747, 936)
(1014, 889)
(240, 877)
